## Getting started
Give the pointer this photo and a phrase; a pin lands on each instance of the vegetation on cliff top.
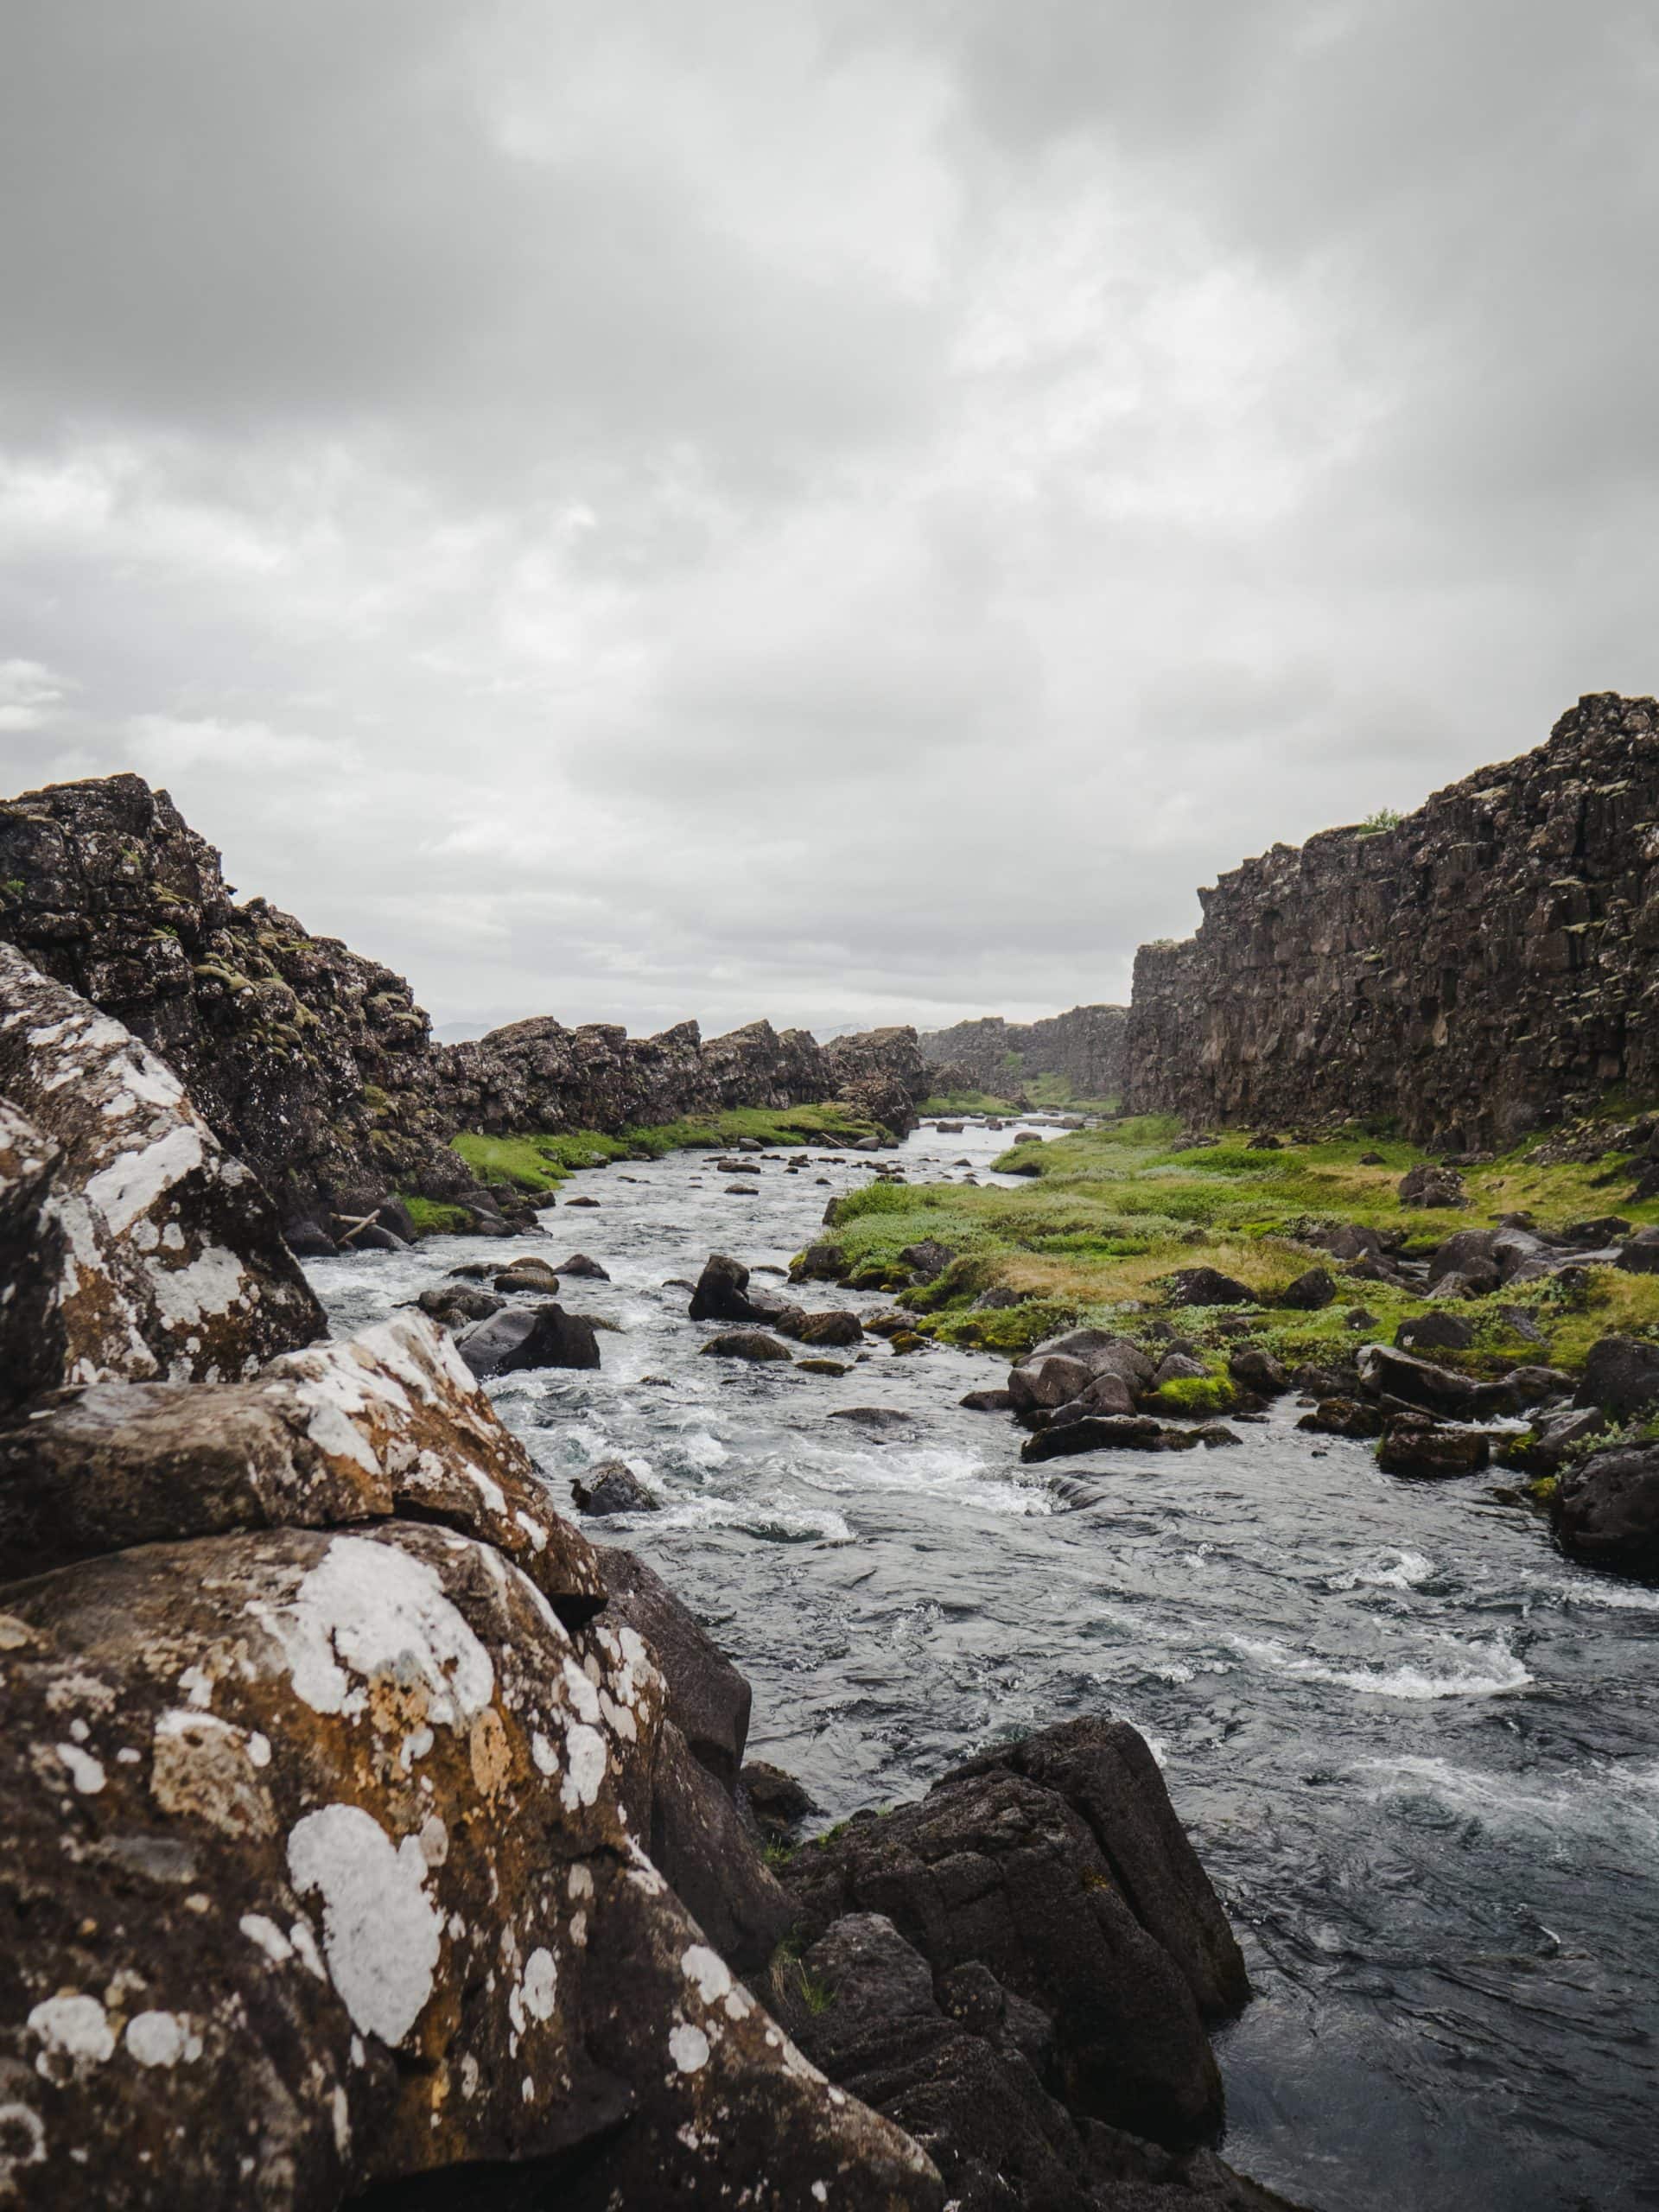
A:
(1108, 1213)
(544, 1160)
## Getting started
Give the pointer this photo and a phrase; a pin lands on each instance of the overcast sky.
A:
(845, 510)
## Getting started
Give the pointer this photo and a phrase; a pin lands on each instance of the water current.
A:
(1417, 1750)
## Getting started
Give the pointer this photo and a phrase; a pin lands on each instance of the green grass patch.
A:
(1112, 1211)
(541, 1160)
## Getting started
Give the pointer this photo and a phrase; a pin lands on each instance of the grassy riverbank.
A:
(544, 1160)
(1111, 1212)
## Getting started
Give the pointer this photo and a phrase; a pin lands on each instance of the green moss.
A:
(1194, 1395)
(965, 1102)
(541, 1160)
(432, 1218)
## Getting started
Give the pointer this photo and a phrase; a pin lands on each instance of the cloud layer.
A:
(840, 511)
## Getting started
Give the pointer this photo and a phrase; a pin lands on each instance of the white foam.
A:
(1388, 1569)
(1470, 1670)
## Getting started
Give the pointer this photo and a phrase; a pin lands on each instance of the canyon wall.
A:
(313, 1065)
(1085, 1045)
(1482, 967)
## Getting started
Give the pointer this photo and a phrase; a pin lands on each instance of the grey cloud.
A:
(806, 506)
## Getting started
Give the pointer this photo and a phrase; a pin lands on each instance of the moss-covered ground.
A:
(542, 1159)
(1112, 1211)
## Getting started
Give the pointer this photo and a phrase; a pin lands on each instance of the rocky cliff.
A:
(1482, 967)
(313, 1065)
(1086, 1045)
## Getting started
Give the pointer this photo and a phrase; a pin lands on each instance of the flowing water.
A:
(1417, 1750)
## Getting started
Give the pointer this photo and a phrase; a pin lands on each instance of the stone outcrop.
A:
(1482, 967)
(1085, 1045)
(134, 1246)
(1021, 1966)
(315, 1066)
(539, 1074)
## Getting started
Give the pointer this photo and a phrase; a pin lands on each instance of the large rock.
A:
(1059, 1867)
(723, 1295)
(1606, 1508)
(1621, 1375)
(1426, 1450)
(538, 1336)
(1432, 1185)
(1206, 1287)
(317, 1877)
(1438, 1391)
(388, 1423)
(1041, 1384)
(709, 1700)
(143, 1248)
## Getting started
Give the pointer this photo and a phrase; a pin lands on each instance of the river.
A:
(1416, 1749)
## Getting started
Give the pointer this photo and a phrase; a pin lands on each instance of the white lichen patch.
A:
(541, 1983)
(707, 1972)
(268, 1935)
(381, 1933)
(688, 2047)
(585, 1762)
(162, 2039)
(84, 1771)
(74, 2026)
(367, 1610)
(133, 1181)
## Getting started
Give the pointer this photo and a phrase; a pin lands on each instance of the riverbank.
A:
(1103, 1217)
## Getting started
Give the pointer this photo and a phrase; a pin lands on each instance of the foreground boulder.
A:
(1059, 1868)
(1606, 1508)
(320, 1875)
(388, 1423)
(1621, 1375)
(140, 1248)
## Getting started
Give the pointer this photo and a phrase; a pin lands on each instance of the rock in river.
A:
(1606, 1508)
(539, 1336)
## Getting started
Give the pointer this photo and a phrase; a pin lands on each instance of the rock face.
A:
(539, 1074)
(1086, 1045)
(313, 1065)
(1482, 967)
(310, 1064)
(136, 1247)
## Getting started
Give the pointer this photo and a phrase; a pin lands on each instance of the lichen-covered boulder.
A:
(385, 1422)
(320, 1875)
(151, 1252)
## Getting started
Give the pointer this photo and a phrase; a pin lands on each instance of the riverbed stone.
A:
(524, 1338)
(454, 1304)
(1058, 1866)
(1427, 1450)
(753, 1344)
(611, 1486)
(1041, 1384)
(1105, 1432)
(1606, 1508)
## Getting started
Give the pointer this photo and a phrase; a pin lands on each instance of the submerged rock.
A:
(612, 1487)
(745, 1344)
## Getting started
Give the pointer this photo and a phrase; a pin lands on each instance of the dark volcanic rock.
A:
(1253, 1369)
(744, 1343)
(540, 1336)
(454, 1304)
(1641, 1255)
(580, 1267)
(988, 1402)
(1474, 972)
(1085, 1045)
(400, 1784)
(709, 1701)
(1309, 1291)
(135, 1246)
(1059, 1868)
(1343, 1417)
(1621, 1375)
(612, 1487)
(387, 1422)
(1435, 1333)
(1426, 1449)
(776, 1802)
(1105, 1432)
(1606, 1508)
(1434, 1389)
(1206, 1286)
(1432, 1185)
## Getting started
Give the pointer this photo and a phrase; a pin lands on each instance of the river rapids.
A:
(1416, 1749)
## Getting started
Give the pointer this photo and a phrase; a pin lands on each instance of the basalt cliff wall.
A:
(313, 1065)
(1085, 1045)
(1482, 968)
